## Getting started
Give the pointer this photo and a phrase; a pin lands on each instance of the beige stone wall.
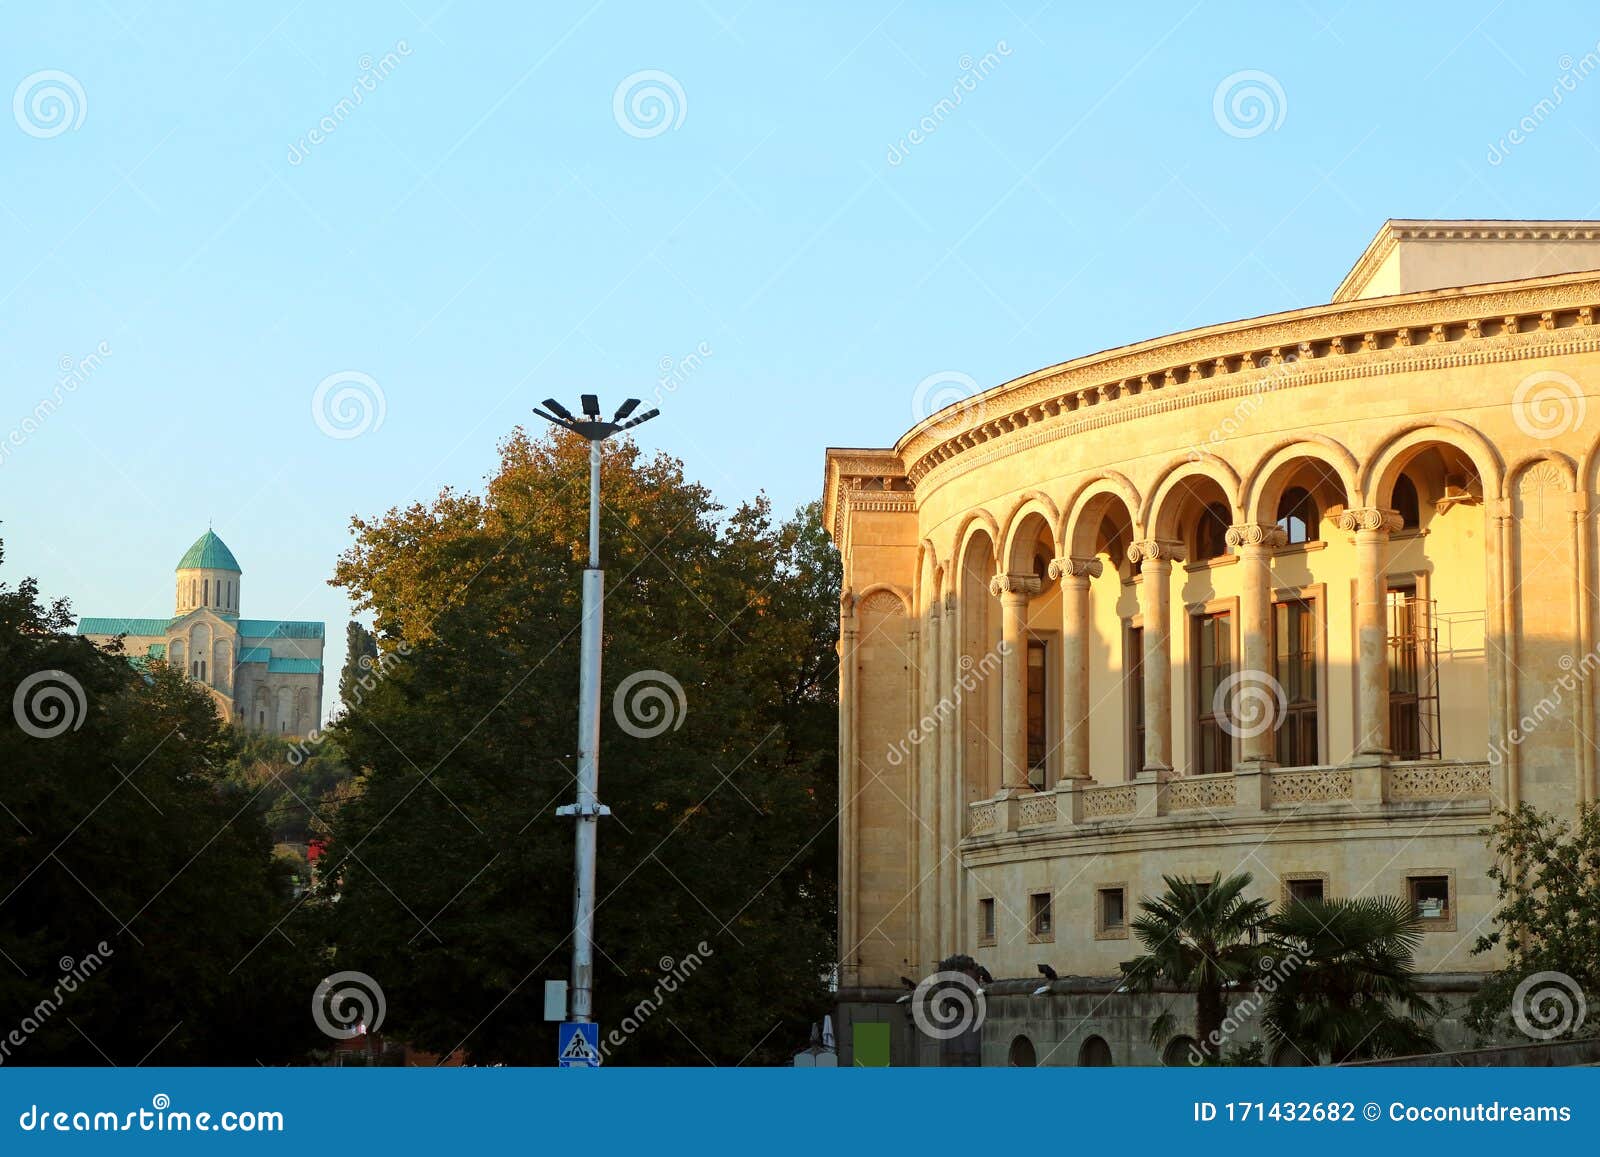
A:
(1481, 398)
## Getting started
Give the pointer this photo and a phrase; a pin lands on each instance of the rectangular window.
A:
(1413, 676)
(1430, 898)
(1294, 645)
(1111, 912)
(1133, 664)
(1041, 925)
(1306, 888)
(1212, 661)
(1038, 704)
(986, 921)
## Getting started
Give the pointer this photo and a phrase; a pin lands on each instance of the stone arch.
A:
(1095, 1053)
(974, 522)
(1185, 490)
(1034, 502)
(1384, 466)
(926, 591)
(1029, 523)
(1278, 467)
(978, 636)
(884, 599)
(1093, 500)
(1022, 1054)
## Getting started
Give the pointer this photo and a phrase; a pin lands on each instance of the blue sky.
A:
(485, 228)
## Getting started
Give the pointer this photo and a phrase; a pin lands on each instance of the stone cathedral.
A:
(263, 674)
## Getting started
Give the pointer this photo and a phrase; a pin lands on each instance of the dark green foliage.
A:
(123, 830)
(456, 875)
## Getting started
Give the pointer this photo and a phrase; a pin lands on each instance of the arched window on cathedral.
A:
(1211, 533)
(202, 670)
(206, 593)
(229, 603)
(1405, 503)
(1298, 515)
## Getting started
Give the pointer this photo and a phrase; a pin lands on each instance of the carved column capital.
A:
(1257, 534)
(1067, 567)
(1370, 518)
(1155, 550)
(1015, 584)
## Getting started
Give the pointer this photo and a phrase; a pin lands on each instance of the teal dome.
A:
(209, 553)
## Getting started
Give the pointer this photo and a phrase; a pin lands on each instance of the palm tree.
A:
(1201, 937)
(1345, 987)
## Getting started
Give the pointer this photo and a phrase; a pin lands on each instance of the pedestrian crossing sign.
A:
(578, 1045)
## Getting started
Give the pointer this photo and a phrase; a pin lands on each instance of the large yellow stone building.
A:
(1308, 596)
(263, 674)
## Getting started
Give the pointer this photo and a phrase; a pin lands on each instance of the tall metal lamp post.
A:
(588, 810)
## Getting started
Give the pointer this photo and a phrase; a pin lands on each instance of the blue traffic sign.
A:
(578, 1045)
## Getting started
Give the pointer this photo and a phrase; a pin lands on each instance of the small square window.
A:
(986, 921)
(1111, 912)
(1430, 899)
(1041, 919)
(1307, 888)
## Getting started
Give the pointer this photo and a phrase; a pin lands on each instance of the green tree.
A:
(123, 832)
(1547, 918)
(361, 652)
(1343, 984)
(1201, 936)
(453, 871)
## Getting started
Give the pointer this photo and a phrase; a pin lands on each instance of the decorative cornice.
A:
(1155, 550)
(1369, 518)
(1444, 328)
(1256, 534)
(1067, 567)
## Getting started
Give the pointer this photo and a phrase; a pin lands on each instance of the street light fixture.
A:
(588, 810)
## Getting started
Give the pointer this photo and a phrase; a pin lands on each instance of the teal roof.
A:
(208, 553)
(157, 651)
(254, 655)
(277, 666)
(279, 628)
(116, 626)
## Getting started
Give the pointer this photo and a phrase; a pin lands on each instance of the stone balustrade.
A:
(1085, 806)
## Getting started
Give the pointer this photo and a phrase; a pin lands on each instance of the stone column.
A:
(1074, 574)
(1014, 591)
(1157, 557)
(926, 827)
(1372, 528)
(1258, 697)
(849, 950)
(952, 805)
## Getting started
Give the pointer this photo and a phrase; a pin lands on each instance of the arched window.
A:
(1181, 1052)
(1095, 1054)
(206, 592)
(1211, 533)
(1022, 1055)
(1298, 514)
(1405, 503)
